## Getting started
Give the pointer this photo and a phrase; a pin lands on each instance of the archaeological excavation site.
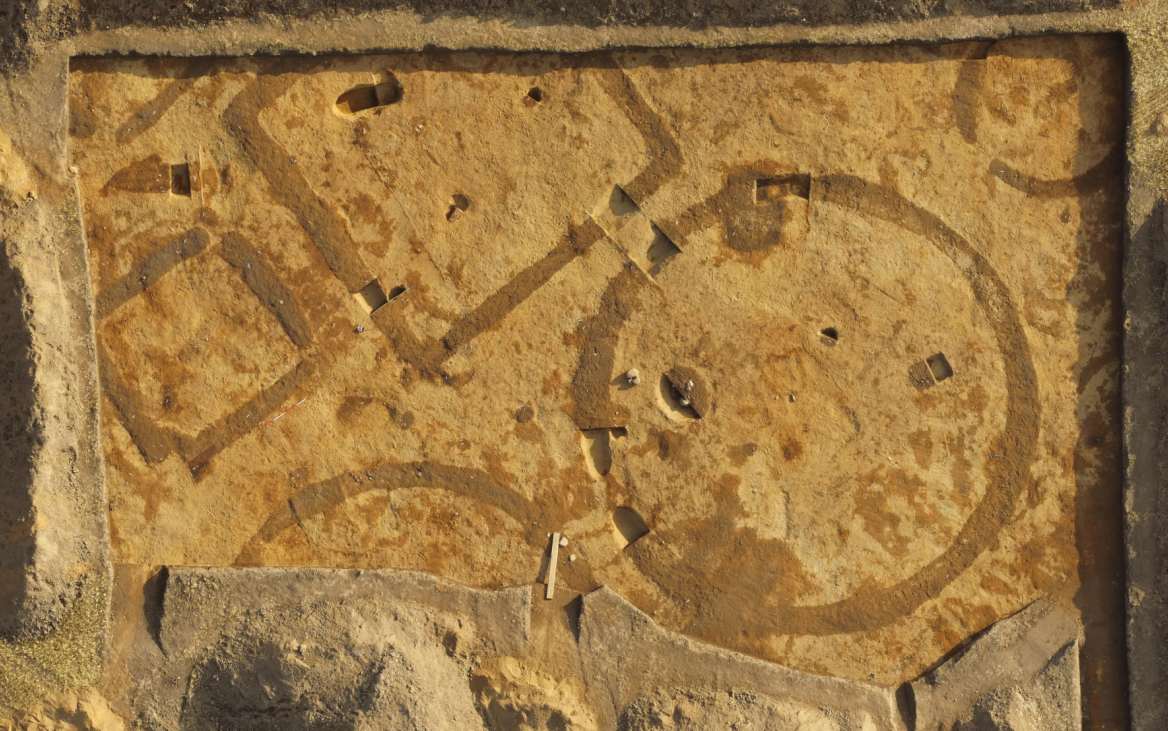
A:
(626, 364)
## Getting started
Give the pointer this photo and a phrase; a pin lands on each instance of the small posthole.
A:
(597, 447)
(629, 524)
(371, 297)
(930, 371)
(782, 186)
(620, 204)
(939, 367)
(180, 179)
(370, 96)
(459, 204)
(661, 250)
(525, 413)
(684, 394)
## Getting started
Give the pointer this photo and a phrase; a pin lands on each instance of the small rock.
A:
(632, 376)
(563, 541)
(572, 557)
(359, 329)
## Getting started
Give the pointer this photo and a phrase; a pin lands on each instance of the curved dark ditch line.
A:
(1006, 471)
(1085, 182)
(465, 482)
(751, 225)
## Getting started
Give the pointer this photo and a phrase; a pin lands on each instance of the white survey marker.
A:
(551, 570)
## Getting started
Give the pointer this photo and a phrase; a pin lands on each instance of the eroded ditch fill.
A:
(812, 353)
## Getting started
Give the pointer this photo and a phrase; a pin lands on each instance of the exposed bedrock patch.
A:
(513, 694)
(500, 618)
(14, 19)
(20, 436)
(631, 664)
(322, 649)
(693, 710)
(292, 671)
(105, 14)
(1022, 674)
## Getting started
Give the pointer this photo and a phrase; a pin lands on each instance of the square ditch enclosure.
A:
(812, 353)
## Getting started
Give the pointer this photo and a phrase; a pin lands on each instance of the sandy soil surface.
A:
(810, 354)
